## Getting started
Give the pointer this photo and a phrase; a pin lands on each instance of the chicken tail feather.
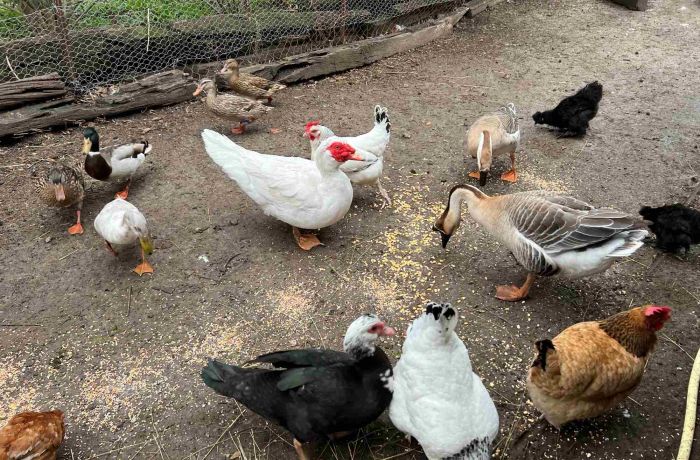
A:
(381, 116)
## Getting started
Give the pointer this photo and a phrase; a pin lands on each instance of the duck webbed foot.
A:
(76, 229)
(306, 241)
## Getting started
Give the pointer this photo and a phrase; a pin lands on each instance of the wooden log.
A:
(479, 6)
(637, 5)
(338, 59)
(155, 90)
(27, 90)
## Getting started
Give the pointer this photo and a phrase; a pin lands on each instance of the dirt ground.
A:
(121, 354)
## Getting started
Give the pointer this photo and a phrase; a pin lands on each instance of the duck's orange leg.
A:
(76, 229)
(144, 266)
(124, 194)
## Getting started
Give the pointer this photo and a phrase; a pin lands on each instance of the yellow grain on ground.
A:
(291, 302)
(533, 182)
(13, 402)
(121, 388)
(404, 259)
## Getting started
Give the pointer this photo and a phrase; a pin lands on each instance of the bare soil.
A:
(121, 354)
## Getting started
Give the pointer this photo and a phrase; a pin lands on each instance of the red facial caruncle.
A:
(307, 130)
(656, 316)
(342, 152)
(381, 329)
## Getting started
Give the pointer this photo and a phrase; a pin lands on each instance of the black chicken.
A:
(675, 226)
(315, 394)
(573, 113)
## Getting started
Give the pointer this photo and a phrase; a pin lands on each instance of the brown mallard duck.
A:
(246, 84)
(61, 186)
(231, 107)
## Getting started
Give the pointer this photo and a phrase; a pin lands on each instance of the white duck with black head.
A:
(438, 399)
(313, 393)
(117, 164)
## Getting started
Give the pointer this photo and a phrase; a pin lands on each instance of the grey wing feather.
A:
(558, 224)
(508, 117)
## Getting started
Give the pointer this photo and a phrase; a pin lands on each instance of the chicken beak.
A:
(198, 90)
(60, 192)
(146, 245)
(87, 145)
(482, 177)
(306, 135)
(388, 331)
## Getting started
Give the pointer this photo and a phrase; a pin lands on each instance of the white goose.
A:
(375, 142)
(303, 193)
(121, 223)
(548, 234)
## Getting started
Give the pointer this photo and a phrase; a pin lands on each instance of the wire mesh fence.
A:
(97, 42)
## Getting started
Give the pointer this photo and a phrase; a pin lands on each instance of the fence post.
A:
(62, 26)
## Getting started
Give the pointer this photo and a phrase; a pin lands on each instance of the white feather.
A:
(437, 398)
(375, 142)
(120, 223)
(303, 193)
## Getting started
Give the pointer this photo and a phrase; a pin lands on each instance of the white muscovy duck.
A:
(437, 399)
(116, 164)
(315, 394)
(121, 223)
(375, 142)
(300, 192)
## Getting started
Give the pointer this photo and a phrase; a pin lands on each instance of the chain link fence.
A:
(92, 43)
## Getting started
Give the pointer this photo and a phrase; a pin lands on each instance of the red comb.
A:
(656, 309)
(310, 125)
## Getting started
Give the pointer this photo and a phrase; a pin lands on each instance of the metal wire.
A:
(93, 43)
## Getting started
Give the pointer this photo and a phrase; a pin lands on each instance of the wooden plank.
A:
(155, 90)
(637, 5)
(338, 59)
(479, 6)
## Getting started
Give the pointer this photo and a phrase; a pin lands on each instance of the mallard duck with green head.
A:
(61, 186)
(117, 164)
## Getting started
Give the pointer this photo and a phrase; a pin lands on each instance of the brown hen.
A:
(32, 435)
(592, 366)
